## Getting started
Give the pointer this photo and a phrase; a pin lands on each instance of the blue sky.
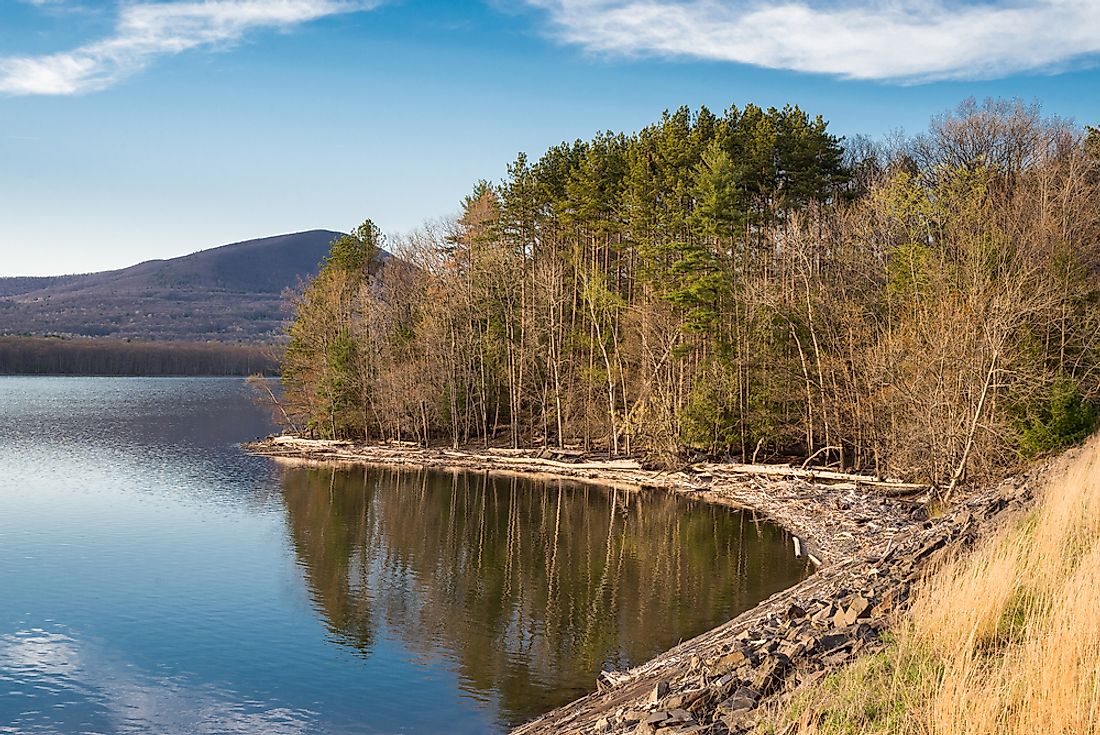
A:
(139, 129)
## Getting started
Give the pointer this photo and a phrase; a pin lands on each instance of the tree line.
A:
(744, 285)
(111, 357)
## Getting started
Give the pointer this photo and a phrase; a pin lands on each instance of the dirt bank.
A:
(871, 538)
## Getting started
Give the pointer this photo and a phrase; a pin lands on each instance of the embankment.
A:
(1003, 640)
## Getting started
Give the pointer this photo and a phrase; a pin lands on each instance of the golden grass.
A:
(1002, 641)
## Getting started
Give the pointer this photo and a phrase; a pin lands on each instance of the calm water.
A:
(155, 579)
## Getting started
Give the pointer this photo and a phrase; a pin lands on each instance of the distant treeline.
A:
(83, 356)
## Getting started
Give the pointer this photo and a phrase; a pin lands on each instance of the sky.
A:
(140, 129)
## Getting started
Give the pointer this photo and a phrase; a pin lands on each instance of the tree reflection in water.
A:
(528, 588)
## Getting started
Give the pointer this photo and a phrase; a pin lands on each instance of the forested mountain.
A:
(230, 293)
(742, 285)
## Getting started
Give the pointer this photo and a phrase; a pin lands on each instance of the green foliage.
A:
(1058, 419)
(908, 272)
(697, 283)
(710, 419)
(719, 210)
(354, 252)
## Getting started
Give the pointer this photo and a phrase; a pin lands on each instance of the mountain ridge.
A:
(228, 293)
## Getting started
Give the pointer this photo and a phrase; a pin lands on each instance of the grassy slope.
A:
(1004, 640)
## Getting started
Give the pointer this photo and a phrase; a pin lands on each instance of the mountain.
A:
(230, 293)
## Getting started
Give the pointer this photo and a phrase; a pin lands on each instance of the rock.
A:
(832, 641)
(793, 612)
(743, 699)
(658, 717)
(770, 673)
(858, 609)
(730, 661)
(685, 700)
(680, 715)
(665, 721)
(793, 649)
(660, 690)
(929, 548)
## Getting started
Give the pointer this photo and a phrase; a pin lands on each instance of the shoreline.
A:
(868, 543)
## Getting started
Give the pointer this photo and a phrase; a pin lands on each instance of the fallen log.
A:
(778, 470)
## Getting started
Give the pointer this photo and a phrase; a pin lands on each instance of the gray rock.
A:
(743, 699)
(770, 673)
(685, 700)
(832, 641)
(680, 715)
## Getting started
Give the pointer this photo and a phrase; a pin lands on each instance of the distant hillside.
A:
(228, 294)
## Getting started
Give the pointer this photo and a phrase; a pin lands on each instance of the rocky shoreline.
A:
(871, 540)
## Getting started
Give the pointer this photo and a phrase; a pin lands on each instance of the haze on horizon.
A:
(132, 131)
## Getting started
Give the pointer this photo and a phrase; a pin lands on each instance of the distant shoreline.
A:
(111, 357)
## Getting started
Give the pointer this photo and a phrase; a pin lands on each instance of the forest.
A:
(743, 285)
(20, 355)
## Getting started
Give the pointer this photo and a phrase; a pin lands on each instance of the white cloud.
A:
(911, 40)
(147, 30)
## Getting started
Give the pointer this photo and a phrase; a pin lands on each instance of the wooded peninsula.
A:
(743, 285)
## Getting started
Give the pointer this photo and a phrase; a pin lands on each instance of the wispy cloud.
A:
(910, 40)
(147, 30)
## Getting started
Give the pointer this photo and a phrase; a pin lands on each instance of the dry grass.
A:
(1003, 641)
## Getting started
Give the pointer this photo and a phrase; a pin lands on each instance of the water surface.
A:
(155, 579)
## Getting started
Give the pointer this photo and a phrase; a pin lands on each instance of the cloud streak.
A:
(145, 31)
(901, 40)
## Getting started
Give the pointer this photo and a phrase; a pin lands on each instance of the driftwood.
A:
(534, 461)
(528, 458)
(811, 475)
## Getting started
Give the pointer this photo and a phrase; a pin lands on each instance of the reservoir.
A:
(154, 578)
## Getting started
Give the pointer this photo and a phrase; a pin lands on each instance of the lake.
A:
(156, 579)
